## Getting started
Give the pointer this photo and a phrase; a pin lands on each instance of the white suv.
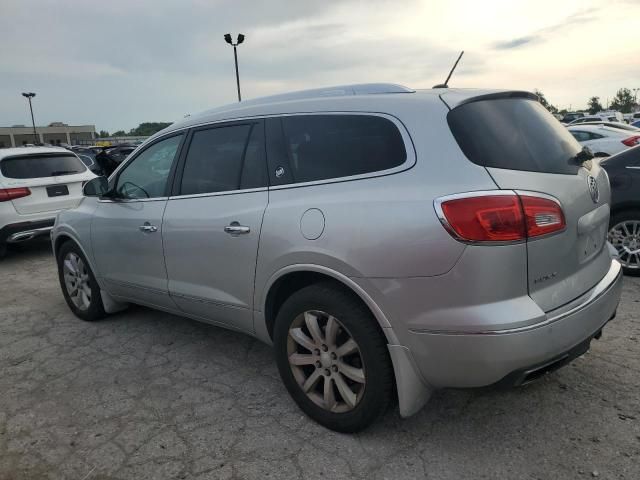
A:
(35, 184)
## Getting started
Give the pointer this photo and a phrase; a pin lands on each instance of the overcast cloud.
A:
(118, 63)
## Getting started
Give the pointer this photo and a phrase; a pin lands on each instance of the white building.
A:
(55, 134)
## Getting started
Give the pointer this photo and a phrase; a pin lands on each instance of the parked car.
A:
(636, 124)
(603, 140)
(110, 157)
(88, 157)
(619, 126)
(383, 239)
(35, 184)
(571, 116)
(595, 118)
(624, 233)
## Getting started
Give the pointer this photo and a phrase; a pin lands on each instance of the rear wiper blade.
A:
(583, 155)
(63, 172)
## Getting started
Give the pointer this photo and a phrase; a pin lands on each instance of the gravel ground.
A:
(147, 395)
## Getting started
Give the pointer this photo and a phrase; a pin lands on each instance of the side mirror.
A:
(96, 187)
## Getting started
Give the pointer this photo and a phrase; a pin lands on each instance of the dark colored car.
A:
(624, 226)
(110, 157)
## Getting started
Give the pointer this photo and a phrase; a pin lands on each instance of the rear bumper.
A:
(452, 359)
(23, 231)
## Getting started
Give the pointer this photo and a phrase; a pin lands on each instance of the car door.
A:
(126, 228)
(212, 223)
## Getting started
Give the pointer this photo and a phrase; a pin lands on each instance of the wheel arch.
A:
(66, 236)
(411, 389)
(291, 279)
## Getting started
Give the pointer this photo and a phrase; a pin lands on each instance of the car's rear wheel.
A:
(624, 235)
(79, 286)
(332, 357)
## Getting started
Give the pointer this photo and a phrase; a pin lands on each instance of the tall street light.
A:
(29, 96)
(227, 38)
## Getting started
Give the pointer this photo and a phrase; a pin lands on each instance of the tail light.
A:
(7, 194)
(499, 217)
(632, 141)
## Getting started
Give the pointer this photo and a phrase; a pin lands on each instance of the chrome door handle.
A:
(148, 228)
(234, 228)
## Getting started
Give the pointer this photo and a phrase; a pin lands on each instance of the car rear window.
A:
(39, 166)
(514, 134)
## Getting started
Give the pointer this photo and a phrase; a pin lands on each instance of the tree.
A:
(103, 134)
(119, 133)
(623, 101)
(594, 105)
(545, 102)
(148, 128)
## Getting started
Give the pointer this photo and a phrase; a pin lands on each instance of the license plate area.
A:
(591, 243)
(57, 190)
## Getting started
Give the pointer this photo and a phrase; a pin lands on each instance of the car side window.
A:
(580, 136)
(224, 158)
(305, 148)
(146, 175)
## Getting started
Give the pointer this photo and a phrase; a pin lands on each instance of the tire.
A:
(369, 364)
(3, 250)
(629, 237)
(92, 309)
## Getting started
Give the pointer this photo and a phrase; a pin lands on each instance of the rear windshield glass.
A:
(513, 133)
(39, 166)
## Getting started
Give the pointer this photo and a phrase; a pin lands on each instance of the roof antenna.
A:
(445, 84)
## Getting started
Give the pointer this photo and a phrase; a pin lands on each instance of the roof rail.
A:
(338, 91)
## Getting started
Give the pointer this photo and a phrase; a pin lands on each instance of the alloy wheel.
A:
(76, 280)
(326, 361)
(625, 237)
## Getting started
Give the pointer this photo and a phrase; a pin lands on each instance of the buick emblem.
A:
(279, 172)
(593, 189)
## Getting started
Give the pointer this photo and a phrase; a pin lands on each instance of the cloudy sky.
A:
(117, 63)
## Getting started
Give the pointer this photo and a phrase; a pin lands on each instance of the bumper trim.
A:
(603, 286)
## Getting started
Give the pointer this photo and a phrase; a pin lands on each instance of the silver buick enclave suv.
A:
(382, 239)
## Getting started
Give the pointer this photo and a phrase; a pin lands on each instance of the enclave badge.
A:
(593, 189)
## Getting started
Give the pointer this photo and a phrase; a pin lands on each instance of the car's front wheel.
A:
(332, 357)
(79, 286)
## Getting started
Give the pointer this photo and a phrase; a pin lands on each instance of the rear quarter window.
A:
(41, 166)
(306, 148)
(514, 134)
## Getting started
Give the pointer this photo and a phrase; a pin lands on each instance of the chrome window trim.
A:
(218, 194)
(437, 206)
(409, 162)
(132, 200)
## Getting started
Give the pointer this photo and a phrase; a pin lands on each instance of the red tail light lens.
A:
(495, 218)
(501, 217)
(632, 141)
(7, 194)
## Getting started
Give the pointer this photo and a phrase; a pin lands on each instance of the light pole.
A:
(29, 96)
(227, 38)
